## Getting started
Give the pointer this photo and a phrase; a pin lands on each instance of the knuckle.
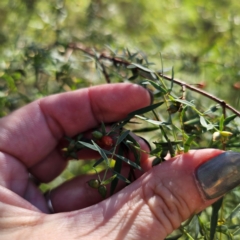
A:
(167, 206)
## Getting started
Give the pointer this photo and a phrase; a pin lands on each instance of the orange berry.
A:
(236, 85)
(201, 85)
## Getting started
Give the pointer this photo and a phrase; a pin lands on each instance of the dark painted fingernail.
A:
(151, 95)
(149, 146)
(219, 175)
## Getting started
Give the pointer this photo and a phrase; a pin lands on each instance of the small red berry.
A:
(107, 141)
(200, 85)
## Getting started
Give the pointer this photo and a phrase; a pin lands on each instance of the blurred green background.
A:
(199, 39)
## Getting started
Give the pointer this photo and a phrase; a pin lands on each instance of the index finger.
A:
(33, 131)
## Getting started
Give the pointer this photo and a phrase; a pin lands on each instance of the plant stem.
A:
(119, 61)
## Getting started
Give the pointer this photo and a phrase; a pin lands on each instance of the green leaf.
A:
(131, 56)
(117, 168)
(188, 143)
(133, 77)
(214, 218)
(156, 161)
(131, 163)
(175, 237)
(131, 66)
(204, 230)
(79, 137)
(136, 65)
(109, 180)
(95, 147)
(136, 152)
(205, 124)
(146, 129)
(88, 145)
(158, 94)
(148, 75)
(234, 213)
(185, 102)
(103, 128)
(145, 109)
(102, 153)
(221, 123)
(192, 121)
(121, 177)
(156, 151)
(156, 86)
(155, 122)
(122, 137)
(213, 109)
(118, 126)
(229, 119)
(164, 144)
(99, 161)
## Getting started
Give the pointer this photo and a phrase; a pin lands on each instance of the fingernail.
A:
(148, 144)
(151, 96)
(219, 175)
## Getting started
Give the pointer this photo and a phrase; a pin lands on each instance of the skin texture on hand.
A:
(150, 208)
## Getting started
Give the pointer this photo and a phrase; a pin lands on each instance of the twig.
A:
(206, 94)
(118, 61)
(105, 74)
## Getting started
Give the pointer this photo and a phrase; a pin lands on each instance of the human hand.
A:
(151, 207)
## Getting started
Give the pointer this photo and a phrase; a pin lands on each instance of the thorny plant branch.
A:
(118, 61)
(162, 147)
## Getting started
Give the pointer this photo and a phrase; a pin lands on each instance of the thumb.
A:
(160, 200)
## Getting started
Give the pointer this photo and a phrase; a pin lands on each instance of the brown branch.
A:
(105, 73)
(90, 52)
(120, 61)
(206, 94)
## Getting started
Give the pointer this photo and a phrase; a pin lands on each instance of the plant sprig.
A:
(174, 123)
